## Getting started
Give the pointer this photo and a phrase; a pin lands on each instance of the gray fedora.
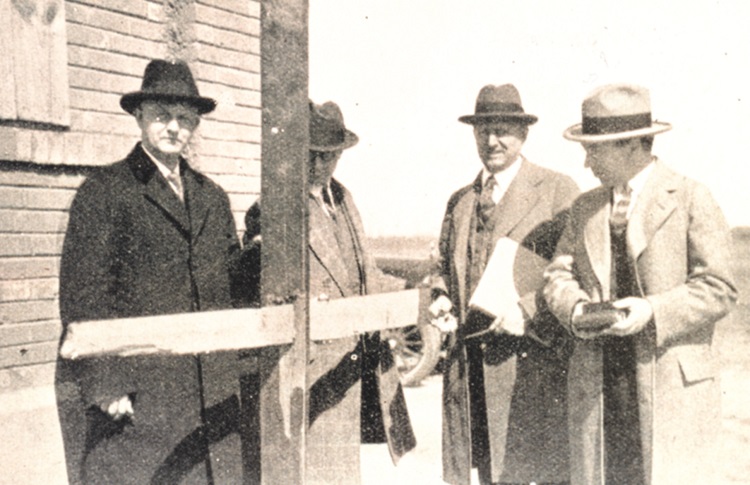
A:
(327, 130)
(499, 103)
(616, 112)
(168, 81)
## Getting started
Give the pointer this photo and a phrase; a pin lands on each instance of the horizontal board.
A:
(232, 149)
(238, 21)
(97, 149)
(28, 354)
(251, 8)
(27, 333)
(187, 333)
(99, 15)
(236, 183)
(29, 267)
(192, 333)
(33, 178)
(30, 244)
(89, 57)
(138, 8)
(29, 311)
(112, 82)
(26, 221)
(228, 166)
(226, 76)
(227, 131)
(243, 61)
(85, 35)
(35, 198)
(41, 146)
(109, 123)
(224, 38)
(28, 289)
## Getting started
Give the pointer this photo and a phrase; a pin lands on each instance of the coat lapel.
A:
(323, 244)
(652, 208)
(463, 213)
(196, 200)
(156, 189)
(517, 201)
(597, 238)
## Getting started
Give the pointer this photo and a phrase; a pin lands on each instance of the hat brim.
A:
(575, 133)
(350, 139)
(478, 119)
(129, 102)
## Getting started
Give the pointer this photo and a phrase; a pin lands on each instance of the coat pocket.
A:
(697, 363)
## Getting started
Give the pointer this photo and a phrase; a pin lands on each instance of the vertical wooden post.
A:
(285, 267)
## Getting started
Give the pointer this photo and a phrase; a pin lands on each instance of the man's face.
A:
(500, 143)
(612, 161)
(322, 166)
(166, 128)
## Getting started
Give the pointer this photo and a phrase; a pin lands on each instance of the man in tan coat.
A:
(504, 383)
(643, 377)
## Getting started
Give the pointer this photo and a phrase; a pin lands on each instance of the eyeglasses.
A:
(185, 117)
(325, 156)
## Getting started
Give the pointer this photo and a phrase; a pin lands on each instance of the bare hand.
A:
(639, 314)
(442, 318)
(119, 408)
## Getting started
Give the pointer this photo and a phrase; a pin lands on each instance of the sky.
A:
(403, 71)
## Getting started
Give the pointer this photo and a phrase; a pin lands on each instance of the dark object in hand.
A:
(598, 316)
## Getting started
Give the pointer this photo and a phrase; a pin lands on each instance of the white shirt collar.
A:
(503, 178)
(636, 184)
(163, 169)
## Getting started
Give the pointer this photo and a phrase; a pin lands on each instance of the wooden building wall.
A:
(68, 63)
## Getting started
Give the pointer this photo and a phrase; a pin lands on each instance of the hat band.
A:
(615, 124)
(485, 107)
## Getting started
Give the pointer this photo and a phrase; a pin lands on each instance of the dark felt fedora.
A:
(168, 81)
(498, 103)
(616, 112)
(327, 130)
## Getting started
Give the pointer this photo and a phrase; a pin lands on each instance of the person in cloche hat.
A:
(146, 235)
(504, 377)
(641, 278)
(366, 399)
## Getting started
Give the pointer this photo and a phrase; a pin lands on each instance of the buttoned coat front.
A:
(133, 249)
(523, 379)
(678, 238)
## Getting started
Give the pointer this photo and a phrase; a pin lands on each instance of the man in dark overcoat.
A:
(148, 235)
(504, 382)
(655, 246)
(355, 391)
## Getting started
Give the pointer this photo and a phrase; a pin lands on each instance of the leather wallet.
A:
(598, 316)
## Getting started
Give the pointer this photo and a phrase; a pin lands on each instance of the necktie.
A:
(486, 204)
(328, 202)
(618, 220)
(174, 180)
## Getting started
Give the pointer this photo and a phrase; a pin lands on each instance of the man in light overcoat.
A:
(504, 384)
(643, 377)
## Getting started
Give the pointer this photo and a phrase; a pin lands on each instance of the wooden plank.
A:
(29, 221)
(186, 333)
(108, 20)
(348, 317)
(31, 289)
(40, 267)
(28, 354)
(26, 333)
(35, 198)
(31, 244)
(139, 8)
(227, 39)
(39, 52)
(235, 21)
(85, 35)
(32, 178)
(28, 311)
(230, 58)
(285, 265)
(7, 71)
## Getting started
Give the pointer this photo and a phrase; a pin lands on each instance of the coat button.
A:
(354, 357)
(524, 355)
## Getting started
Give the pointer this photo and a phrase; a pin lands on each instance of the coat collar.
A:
(654, 205)
(191, 216)
(517, 202)
(322, 235)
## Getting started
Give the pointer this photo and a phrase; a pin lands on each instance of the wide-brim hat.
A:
(327, 130)
(616, 112)
(167, 81)
(498, 103)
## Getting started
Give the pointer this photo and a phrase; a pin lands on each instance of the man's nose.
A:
(494, 140)
(173, 125)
